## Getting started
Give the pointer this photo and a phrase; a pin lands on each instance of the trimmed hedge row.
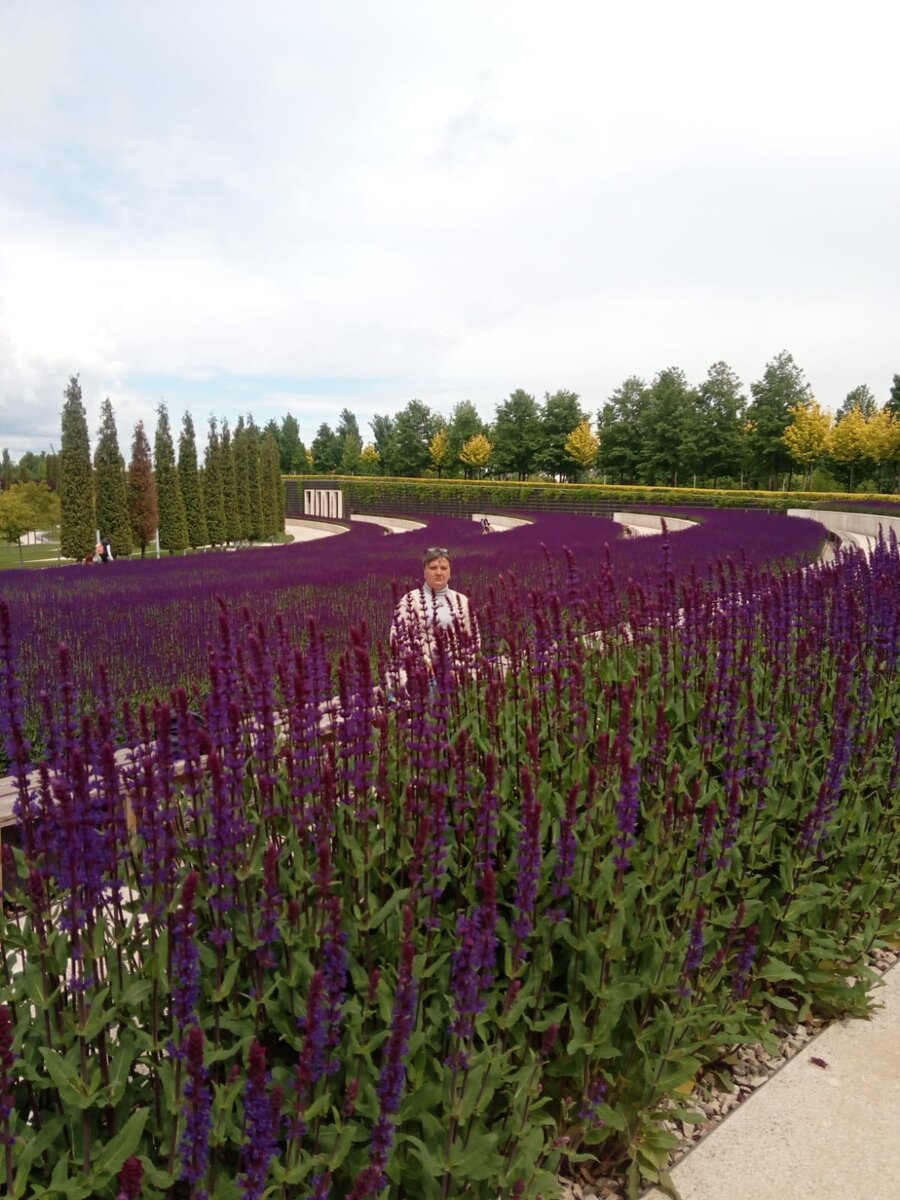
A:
(462, 497)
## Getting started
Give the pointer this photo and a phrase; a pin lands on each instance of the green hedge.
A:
(386, 495)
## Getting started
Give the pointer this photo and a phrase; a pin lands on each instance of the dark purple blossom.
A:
(740, 980)
(131, 1177)
(185, 959)
(194, 1145)
(473, 962)
(393, 1069)
(262, 1122)
(270, 912)
(528, 867)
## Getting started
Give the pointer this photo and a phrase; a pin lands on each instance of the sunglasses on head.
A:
(437, 552)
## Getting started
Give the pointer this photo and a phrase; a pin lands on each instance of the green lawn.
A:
(47, 554)
(44, 555)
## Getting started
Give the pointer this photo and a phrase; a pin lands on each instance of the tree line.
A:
(667, 431)
(235, 495)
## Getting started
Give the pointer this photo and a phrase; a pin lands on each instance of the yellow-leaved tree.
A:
(848, 442)
(806, 437)
(439, 451)
(582, 446)
(884, 445)
(369, 460)
(476, 453)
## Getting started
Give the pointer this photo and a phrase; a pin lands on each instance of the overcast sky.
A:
(295, 207)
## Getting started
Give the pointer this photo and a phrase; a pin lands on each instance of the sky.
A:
(297, 207)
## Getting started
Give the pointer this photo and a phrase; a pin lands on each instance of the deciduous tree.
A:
(849, 445)
(768, 415)
(350, 442)
(414, 427)
(476, 454)
(16, 516)
(439, 451)
(583, 446)
(807, 435)
(859, 397)
(464, 423)
(516, 434)
(560, 414)
(619, 424)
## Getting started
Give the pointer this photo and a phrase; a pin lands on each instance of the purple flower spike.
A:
(473, 963)
(185, 958)
(528, 868)
(262, 1119)
(194, 1147)
(393, 1071)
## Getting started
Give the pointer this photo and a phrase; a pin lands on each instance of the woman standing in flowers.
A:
(433, 622)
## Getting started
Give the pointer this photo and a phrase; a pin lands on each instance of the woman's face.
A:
(437, 573)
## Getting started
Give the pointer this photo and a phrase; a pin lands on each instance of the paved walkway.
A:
(813, 1132)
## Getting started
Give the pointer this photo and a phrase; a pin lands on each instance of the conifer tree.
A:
(270, 484)
(240, 449)
(110, 485)
(77, 530)
(234, 527)
(142, 504)
(255, 528)
(213, 493)
(189, 478)
(173, 530)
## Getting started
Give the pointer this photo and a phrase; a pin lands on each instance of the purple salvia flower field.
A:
(443, 942)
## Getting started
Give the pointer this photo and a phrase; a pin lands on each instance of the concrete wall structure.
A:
(652, 521)
(846, 523)
(323, 502)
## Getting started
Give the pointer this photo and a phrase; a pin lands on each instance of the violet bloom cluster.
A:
(7, 1062)
(311, 1061)
(527, 869)
(473, 963)
(740, 980)
(131, 1177)
(194, 1145)
(262, 1122)
(594, 1095)
(185, 959)
(392, 1079)
(268, 930)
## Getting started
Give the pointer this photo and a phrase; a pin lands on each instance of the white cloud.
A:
(443, 203)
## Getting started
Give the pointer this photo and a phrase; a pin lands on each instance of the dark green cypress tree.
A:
(234, 526)
(173, 529)
(142, 503)
(77, 530)
(270, 482)
(110, 485)
(279, 498)
(239, 445)
(189, 478)
(213, 494)
(255, 529)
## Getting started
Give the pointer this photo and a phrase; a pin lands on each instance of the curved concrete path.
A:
(813, 1131)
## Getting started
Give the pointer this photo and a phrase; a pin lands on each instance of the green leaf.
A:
(224, 990)
(66, 1079)
(109, 1161)
(776, 971)
(50, 1134)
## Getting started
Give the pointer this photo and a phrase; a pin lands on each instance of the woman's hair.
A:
(435, 552)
